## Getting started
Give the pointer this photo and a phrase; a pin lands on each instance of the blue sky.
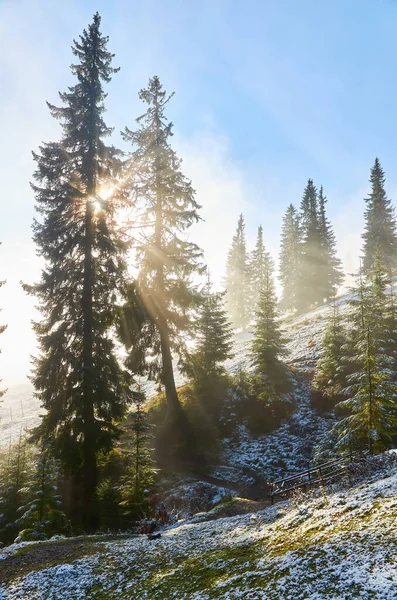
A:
(268, 94)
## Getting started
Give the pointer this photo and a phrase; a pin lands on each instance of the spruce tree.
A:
(380, 235)
(310, 291)
(213, 339)
(237, 279)
(330, 375)
(371, 390)
(168, 262)
(289, 260)
(138, 482)
(15, 469)
(260, 262)
(77, 376)
(331, 276)
(268, 344)
(42, 515)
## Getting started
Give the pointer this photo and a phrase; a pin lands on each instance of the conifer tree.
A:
(77, 376)
(330, 375)
(371, 390)
(237, 279)
(310, 263)
(167, 260)
(137, 484)
(331, 276)
(14, 476)
(42, 515)
(380, 235)
(289, 259)
(213, 339)
(268, 345)
(260, 262)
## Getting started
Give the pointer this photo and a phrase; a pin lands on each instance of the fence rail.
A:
(313, 476)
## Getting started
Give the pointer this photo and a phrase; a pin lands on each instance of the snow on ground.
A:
(286, 450)
(336, 546)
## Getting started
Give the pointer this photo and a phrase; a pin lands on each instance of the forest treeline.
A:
(89, 465)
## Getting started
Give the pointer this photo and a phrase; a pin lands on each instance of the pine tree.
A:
(289, 259)
(380, 235)
(331, 266)
(330, 375)
(371, 393)
(213, 338)
(42, 515)
(137, 484)
(309, 262)
(77, 376)
(237, 279)
(268, 344)
(260, 262)
(14, 475)
(167, 261)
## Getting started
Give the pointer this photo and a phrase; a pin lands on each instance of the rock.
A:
(154, 536)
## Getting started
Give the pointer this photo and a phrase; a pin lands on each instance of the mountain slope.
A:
(342, 545)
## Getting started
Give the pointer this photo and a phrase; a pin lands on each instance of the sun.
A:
(105, 191)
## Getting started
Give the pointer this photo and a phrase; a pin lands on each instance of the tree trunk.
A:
(90, 476)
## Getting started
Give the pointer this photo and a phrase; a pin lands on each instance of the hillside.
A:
(336, 545)
(19, 409)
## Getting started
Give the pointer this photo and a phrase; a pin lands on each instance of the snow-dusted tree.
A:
(331, 276)
(42, 515)
(289, 259)
(380, 235)
(15, 467)
(371, 391)
(260, 262)
(330, 375)
(167, 261)
(237, 282)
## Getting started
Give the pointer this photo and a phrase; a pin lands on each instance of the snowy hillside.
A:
(338, 545)
(19, 411)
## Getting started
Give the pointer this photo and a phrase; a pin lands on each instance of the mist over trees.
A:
(166, 260)
(125, 295)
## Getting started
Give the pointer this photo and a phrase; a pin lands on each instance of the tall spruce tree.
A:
(167, 260)
(309, 263)
(260, 262)
(77, 376)
(289, 259)
(371, 391)
(331, 276)
(380, 235)
(237, 279)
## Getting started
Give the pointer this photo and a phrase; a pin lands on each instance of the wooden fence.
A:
(312, 477)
